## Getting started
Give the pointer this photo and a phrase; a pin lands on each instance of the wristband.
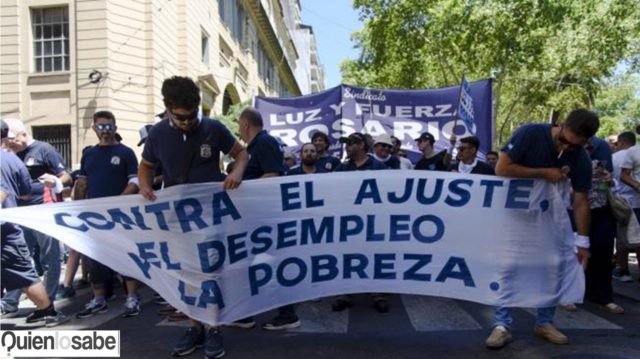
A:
(134, 180)
(59, 186)
(582, 241)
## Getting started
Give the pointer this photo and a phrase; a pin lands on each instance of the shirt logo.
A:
(30, 161)
(328, 165)
(205, 151)
(115, 160)
(432, 167)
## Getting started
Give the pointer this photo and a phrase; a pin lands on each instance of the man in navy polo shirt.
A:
(325, 161)
(49, 175)
(107, 169)
(308, 160)
(188, 147)
(468, 161)
(432, 160)
(555, 154)
(265, 157)
(17, 269)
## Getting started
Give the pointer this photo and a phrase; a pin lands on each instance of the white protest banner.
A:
(222, 255)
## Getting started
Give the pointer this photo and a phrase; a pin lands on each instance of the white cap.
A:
(383, 138)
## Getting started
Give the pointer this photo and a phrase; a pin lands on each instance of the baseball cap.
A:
(354, 137)
(426, 136)
(383, 138)
(4, 129)
(144, 133)
(472, 140)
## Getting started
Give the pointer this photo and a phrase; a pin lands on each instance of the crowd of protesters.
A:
(185, 147)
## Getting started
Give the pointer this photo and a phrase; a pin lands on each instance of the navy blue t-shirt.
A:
(435, 163)
(532, 146)
(16, 181)
(599, 150)
(40, 158)
(298, 171)
(108, 169)
(370, 164)
(328, 163)
(264, 156)
(169, 147)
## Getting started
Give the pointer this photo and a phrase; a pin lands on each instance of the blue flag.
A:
(465, 107)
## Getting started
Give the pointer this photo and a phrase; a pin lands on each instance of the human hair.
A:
(582, 122)
(395, 140)
(472, 140)
(104, 114)
(627, 137)
(180, 92)
(252, 116)
(306, 144)
(324, 136)
(492, 153)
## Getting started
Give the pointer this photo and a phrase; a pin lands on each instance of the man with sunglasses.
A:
(382, 147)
(188, 147)
(468, 158)
(555, 154)
(49, 175)
(107, 169)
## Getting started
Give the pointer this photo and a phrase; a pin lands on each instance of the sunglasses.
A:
(384, 145)
(103, 127)
(565, 142)
(463, 148)
(182, 118)
(352, 142)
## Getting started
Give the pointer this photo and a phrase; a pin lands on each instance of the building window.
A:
(205, 48)
(233, 15)
(58, 136)
(50, 27)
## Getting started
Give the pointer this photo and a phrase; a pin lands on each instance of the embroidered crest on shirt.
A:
(115, 160)
(30, 161)
(328, 165)
(205, 151)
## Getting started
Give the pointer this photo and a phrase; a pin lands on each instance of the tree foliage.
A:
(545, 56)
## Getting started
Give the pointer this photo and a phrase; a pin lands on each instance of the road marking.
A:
(429, 314)
(580, 319)
(317, 317)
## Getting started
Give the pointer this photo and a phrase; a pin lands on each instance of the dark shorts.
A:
(17, 271)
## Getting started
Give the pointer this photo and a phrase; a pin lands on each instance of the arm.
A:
(239, 154)
(146, 173)
(80, 189)
(65, 177)
(625, 177)
(131, 188)
(582, 216)
(269, 174)
(507, 168)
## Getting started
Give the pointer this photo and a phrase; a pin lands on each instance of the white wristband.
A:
(134, 180)
(582, 241)
(59, 186)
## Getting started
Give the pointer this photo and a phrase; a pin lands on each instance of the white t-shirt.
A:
(629, 159)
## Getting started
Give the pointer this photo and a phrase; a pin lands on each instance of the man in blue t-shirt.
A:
(17, 271)
(49, 175)
(107, 169)
(265, 157)
(308, 160)
(358, 158)
(555, 154)
(327, 162)
(187, 147)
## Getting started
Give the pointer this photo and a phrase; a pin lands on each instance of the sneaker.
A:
(56, 319)
(549, 333)
(37, 315)
(213, 347)
(246, 323)
(282, 323)
(622, 275)
(340, 304)
(381, 305)
(132, 307)
(500, 336)
(8, 312)
(93, 307)
(159, 300)
(192, 339)
(65, 292)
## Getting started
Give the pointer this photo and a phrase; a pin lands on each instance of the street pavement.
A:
(416, 327)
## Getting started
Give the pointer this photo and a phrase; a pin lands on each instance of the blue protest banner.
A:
(405, 114)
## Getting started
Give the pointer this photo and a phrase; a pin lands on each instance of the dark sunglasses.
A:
(565, 142)
(106, 126)
(182, 118)
(352, 142)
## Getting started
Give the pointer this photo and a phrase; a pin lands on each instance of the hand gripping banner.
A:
(219, 256)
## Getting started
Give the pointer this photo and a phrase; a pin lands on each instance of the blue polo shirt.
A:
(328, 163)
(169, 147)
(264, 156)
(370, 164)
(16, 181)
(532, 146)
(108, 169)
(40, 158)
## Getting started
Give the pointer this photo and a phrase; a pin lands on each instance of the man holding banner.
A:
(553, 153)
(187, 147)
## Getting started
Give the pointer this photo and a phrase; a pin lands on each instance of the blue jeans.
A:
(503, 316)
(50, 261)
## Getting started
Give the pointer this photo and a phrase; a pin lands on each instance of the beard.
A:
(307, 161)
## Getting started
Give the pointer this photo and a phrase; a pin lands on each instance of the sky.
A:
(333, 21)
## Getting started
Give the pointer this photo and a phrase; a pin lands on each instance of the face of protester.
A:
(183, 119)
(321, 146)
(354, 148)
(382, 150)
(243, 129)
(425, 146)
(492, 159)
(18, 143)
(567, 140)
(466, 153)
(105, 129)
(309, 155)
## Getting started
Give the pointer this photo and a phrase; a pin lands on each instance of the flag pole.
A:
(455, 121)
